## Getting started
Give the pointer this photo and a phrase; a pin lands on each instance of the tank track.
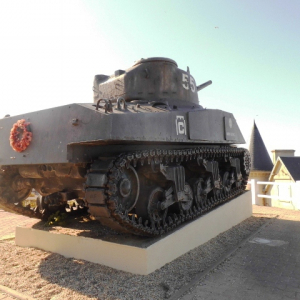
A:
(6, 192)
(103, 176)
(11, 201)
(113, 215)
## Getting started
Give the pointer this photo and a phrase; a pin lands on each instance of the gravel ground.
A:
(45, 275)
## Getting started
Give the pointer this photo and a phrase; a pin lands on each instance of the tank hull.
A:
(77, 132)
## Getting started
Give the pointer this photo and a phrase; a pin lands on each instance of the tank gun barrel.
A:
(204, 85)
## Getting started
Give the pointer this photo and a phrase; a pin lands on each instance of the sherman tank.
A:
(144, 157)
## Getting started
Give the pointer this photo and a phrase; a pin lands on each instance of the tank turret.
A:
(150, 79)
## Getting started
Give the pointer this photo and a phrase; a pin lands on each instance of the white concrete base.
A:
(141, 260)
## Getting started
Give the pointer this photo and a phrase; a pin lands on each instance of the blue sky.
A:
(51, 50)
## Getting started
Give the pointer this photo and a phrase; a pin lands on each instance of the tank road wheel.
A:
(200, 196)
(227, 182)
(128, 188)
(155, 213)
(11, 189)
(19, 193)
(148, 206)
(186, 204)
(42, 207)
(48, 205)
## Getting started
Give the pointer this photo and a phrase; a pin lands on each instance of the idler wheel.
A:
(125, 187)
(128, 188)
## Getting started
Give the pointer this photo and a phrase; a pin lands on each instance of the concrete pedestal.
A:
(141, 256)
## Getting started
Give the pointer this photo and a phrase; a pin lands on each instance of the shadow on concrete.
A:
(83, 225)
